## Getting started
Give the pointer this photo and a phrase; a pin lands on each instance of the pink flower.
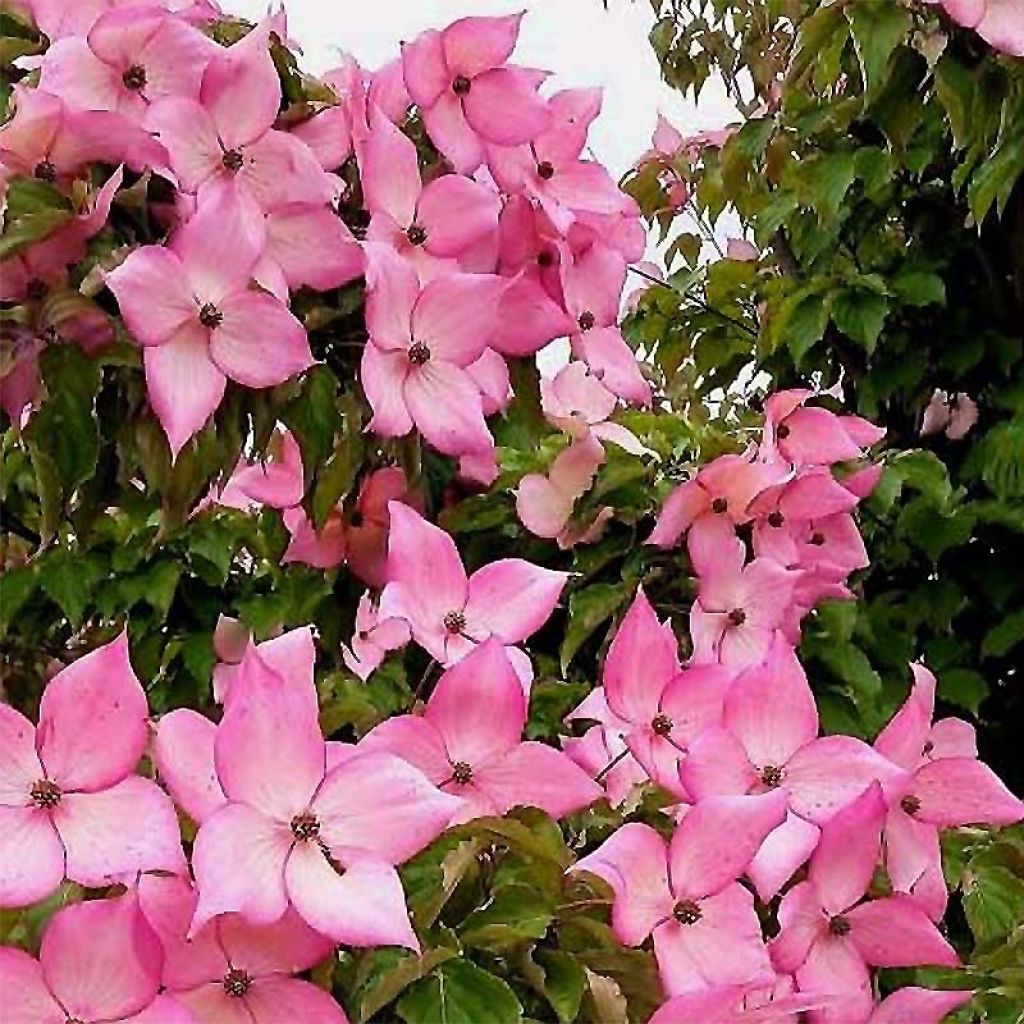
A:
(943, 785)
(99, 961)
(70, 805)
(374, 639)
(955, 419)
(998, 22)
(830, 935)
(232, 970)
(368, 528)
(544, 502)
(324, 548)
(190, 306)
(224, 141)
(920, 1005)
(450, 612)
(756, 1003)
(414, 372)
(443, 219)
(466, 91)
(297, 832)
(130, 57)
(706, 931)
(467, 742)
(277, 482)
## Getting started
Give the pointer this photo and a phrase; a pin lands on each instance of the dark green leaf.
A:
(459, 992)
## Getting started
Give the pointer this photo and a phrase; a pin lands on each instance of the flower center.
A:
(775, 519)
(782, 432)
(305, 826)
(687, 912)
(36, 290)
(45, 793)
(545, 258)
(817, 539)
(927, 748)
(461, 85)
(772, 775)
(719, 505)
(462, 772)
(586, 320)
(661, 725)
(839, 926)
(455, 622)
(911, 804)
(232, 160)
(545, 170)
(210, 316)
(135, 77)
(737, 617)
(416, 234)
(236, 982)
(418, 353)
(45, 171)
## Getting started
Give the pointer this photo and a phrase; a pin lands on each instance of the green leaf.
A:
(35, 209)
(313, 417)
(513, 913)
(825, 180)
(389, 984)
(963, 687)
(1004, 636)
(919, 287)
(801, 322)
(17, 584)
(588, 608)
(860, 315)
(877, 29)
(993, 902)
(459, 992)
(68, 579)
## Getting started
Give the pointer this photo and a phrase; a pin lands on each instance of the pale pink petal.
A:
(165, 1009)
(31, 856)
(613, 362)
(724, 947)
(288, 945)
(593, 283)
(951, 737)
(277, 169)
(389, 171)
(784, 850)
(634, 862)
(329, 135)
(503, 107)
(448, 130)
(27, 1000)
(456, 315)
(903, 739)
(456, 212)
(475, 44)
(424, 68)
(92, 720)
(541, 506)
(680, 509)
(445, 405)
(896, 932)
(19, 764)
(275, 999)
(187, 131)
(717, 765)
(848, 851)
(382, 805)
(962, 791)
(183, 756)
(415, 740)
(72, 71)
(269, 750)
(815, 436)
(210, 1004)
(383, 375)
(101, 959)
(241, 90)
(513, 598)
(919, 1005)
(717, 840)
(185, 386)
(364, 905)
(313, 247)
(490, 374)
(802, 923)
(238, 860)
(913, 861)
(322, 549)
(153, 294)
(536, 775)
(259, 343)
(835, 968)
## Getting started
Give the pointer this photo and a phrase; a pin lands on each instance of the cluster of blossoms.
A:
(733, 737)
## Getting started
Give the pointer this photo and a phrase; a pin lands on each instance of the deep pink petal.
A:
(920, 1005)
(913, 861)
(425, 69)
(681, 508)
(19, 764)
(446, 406)
(165, 1009)
(963, 791)
(718, 839)
(362, 906)
(183, 756)
(802, 923)
(592, 283)
(275, 999)
(504, 108)
(185, 386)
(717, 765)
(528, 318)
(513, 598)
(31, 856)
(92, 720)
(456, 212)
(27, 1000)
(896, 932)
(903, 739)
(153, 294)
(238, 860)
(210, 1004)
(101, 959)
(834, 967)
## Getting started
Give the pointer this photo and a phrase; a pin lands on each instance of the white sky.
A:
(577, 40)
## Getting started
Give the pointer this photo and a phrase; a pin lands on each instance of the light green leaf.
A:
(877, 29)
(459, 992)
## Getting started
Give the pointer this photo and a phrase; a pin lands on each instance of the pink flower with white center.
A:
(374, 639)
(706, 931)
(233, 972)
(808, 435)
(768, 740)
(224, 141)
(450, 612)
(468, 743)
(662, 707)
(739, 607)
(944, 785)
(830, 934)
(191, 307)
(442, 219)
(415, 371)
(99, 962)
(724, 487)
(467, 92)
(998, 22)
(70, 803)
(130, 57)
(297, 832)
(51, 141)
